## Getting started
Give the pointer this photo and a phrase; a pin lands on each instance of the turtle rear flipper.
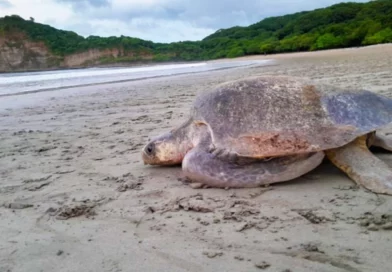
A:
(362, 166)
(203, 167)
(384, 140)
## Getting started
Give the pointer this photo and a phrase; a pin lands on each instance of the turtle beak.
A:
(162, 150)
(145, 158)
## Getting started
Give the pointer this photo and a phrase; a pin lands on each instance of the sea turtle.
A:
(268, 129)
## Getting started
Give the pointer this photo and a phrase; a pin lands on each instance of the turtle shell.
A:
(276, 116)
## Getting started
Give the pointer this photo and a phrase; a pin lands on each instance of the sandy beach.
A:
(75, 195)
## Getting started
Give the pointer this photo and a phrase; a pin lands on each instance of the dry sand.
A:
(76, 196)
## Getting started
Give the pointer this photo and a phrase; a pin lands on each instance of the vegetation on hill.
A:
(337, 26)
(341, 25)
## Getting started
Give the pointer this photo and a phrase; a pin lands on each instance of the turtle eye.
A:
(150, 149)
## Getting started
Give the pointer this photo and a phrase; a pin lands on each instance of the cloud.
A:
(5, 4)
(156, 30)
(157, 20)
(201, 13)
(41, 10)
(82, 4)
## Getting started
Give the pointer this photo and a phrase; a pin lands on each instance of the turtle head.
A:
(167, 149)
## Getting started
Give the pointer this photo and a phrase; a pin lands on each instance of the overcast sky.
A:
(156, 20)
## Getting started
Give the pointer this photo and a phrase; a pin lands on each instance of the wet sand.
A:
(75, 195)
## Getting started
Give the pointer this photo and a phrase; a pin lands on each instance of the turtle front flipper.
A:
(201, 166)
(362, 166)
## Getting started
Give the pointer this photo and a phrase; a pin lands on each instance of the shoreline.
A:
(96, 66)
(128, 80)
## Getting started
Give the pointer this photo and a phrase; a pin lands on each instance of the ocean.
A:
(60, 81)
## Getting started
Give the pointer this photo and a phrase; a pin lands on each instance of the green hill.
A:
(338, 26)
